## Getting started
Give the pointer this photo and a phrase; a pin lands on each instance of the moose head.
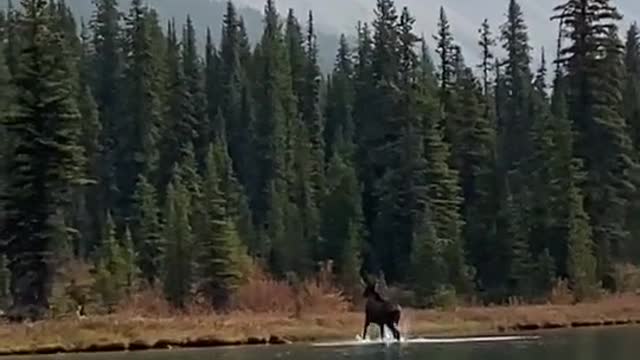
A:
(378, 310)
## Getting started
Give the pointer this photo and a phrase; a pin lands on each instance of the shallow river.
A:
(584, 344)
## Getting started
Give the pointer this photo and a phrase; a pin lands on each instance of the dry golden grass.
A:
(127, 328)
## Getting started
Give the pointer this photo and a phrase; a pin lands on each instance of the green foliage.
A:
(179, 253)
(581, 261)
(595, 108)
(139, 134)
(428, 264)
(46, 158)
(452, 184)
(220, 251)
(147, 232)
(342, 220)
(112, 267)
(5, 278)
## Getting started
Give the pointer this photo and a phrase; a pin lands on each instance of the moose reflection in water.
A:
(379, 311)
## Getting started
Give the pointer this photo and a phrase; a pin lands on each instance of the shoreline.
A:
(124, 332)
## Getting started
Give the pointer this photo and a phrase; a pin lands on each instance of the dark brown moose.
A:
(380, 311)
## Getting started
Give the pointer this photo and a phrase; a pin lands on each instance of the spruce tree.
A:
(342, 220)
(46, 160)
(444, 48)
(237, 207)
(111, 267)
(275, 115)
(5, 279)
(178, 260)
(194, 106)
(428, 265)
(234, 84)
(486, 43)
(515, 126)
(340, 126)
(107, 62)
(219, 263)
(138, 151)
(445, 201)
(632, 116)
(130, 260)
(295, 43)
(87, 206)
(13, 38)
(595, 68)
(147, 232)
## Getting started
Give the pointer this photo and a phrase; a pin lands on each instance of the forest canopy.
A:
(159, 162)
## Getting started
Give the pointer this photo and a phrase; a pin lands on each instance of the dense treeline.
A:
(170, 164)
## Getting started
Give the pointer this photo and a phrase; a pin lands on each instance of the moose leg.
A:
(364, 332)
(396, 332)
(381, 330)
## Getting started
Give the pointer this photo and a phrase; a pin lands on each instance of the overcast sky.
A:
(465, 16)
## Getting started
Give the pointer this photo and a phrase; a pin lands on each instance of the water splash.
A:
(387, 342)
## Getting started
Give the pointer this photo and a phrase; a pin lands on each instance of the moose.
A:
(379, 311)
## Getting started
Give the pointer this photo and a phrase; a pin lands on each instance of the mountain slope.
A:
(465, 16)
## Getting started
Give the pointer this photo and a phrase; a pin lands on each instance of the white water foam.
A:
(387, 341)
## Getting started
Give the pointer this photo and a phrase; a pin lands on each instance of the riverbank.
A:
(121, 333)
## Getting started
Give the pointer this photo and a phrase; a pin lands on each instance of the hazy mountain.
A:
(465, 16)
(341, 16)
(209, 13)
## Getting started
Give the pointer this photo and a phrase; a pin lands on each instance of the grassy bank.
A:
(125, 332)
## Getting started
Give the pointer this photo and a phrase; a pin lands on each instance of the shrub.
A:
(71, 288)
(147, 303)
(445, 298)
(321, 295)
(627, 278)
(561, 293)
(262, 293)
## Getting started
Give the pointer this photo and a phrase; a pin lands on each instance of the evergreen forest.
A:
(130, 148)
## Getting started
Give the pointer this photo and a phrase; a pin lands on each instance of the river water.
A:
(579, 344)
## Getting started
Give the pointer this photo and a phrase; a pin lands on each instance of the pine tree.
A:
(276, 112)
(5, 278)
(521, 265)
(234, 84)
(445, 201)
(87, 206)
(596, 110)
(474, 156)
(295, 43)
(111, 264)
(517, 77)
(221, 253)
(129, 259)
(107, 62)
(13, 38)
(486, 43)
(178, 260)
(381, 132)
(194, 104)
(632, 89)
(340, 126)
(137, 153)
(237, 207)
(147, 232)
(632, 116)
(445, 49)
(428, 265)
(47, 159)
(342, 220)
(581, 264)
